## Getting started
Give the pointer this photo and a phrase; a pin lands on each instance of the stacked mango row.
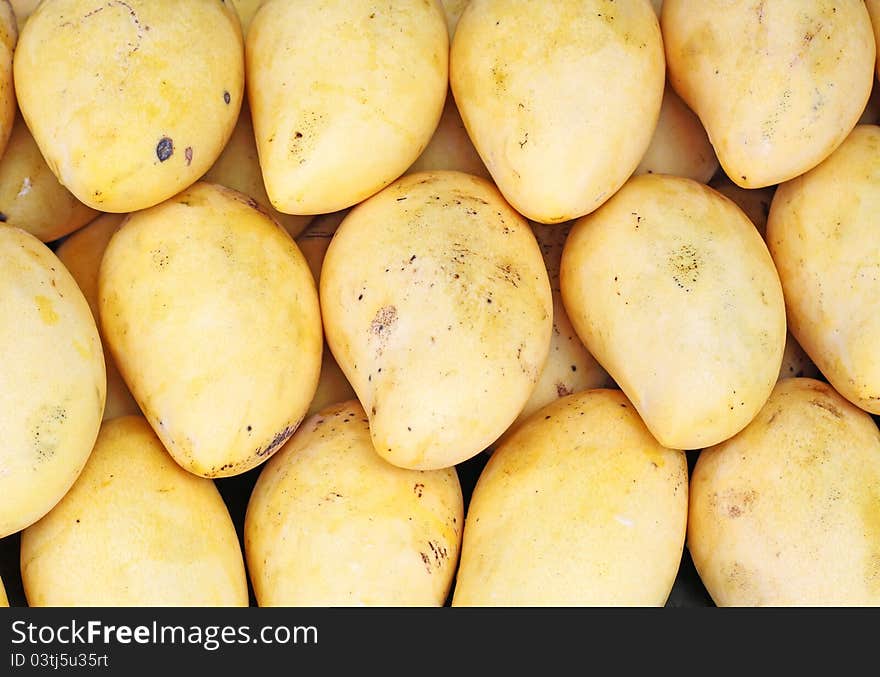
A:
(351, 246)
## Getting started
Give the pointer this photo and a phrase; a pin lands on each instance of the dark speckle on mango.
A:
(164, 149)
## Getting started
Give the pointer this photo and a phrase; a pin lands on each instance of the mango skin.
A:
(31, 197)
(333, 387)
(823, 234)
(560, 115)
(673, 291)
(238, 167)
(777, 85)
(54, 380)
(450, 146)
(344, 95)
(787, 512)
(581, 506)
(755, 202)
(130, 102)
(9, 33)
(209, 273)
(873, 7)
(81, 253)
(330, 523)
(448, 242)
(134, 530)
(680, 145)
(569, 367)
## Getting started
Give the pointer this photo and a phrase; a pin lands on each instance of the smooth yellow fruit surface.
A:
(437, 306)
(777, 85)
(212, 317)
(54, 382)
(130, 102)
(31, 198)
(580, 506)
(134, 530)
(81, 253)
(672, 290)
(9, 31)
(823, 234)
(560, 99)
(330, 523)
(345, 95)
(787, 513)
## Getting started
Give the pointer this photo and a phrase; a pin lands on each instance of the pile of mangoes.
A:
(352, 245)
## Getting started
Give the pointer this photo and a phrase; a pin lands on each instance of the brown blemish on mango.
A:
(562, 390)
(734, 503)
(46, 425)
(827, 406)
(685, 262)
(383, 321)
(739, 578)
(159, 257)
(279, 439)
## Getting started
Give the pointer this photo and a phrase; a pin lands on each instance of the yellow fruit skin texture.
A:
(450, 147)
(569, 367)
(81, 253)
(9, 31)
(823, 234)
(134, 530)
(874, 12)
(330, 523)
(246, 10)
(130, 102)
(777, 85)
(4, 601)
(580, 506)
(673, 291)
(31, 197)
(333, 387)
(680, 145)
(438, 309)
(560, 99)
(787, 513)
(344, 95)
(755, 202)
(54, 382)
(238, 167)
(209, 274)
